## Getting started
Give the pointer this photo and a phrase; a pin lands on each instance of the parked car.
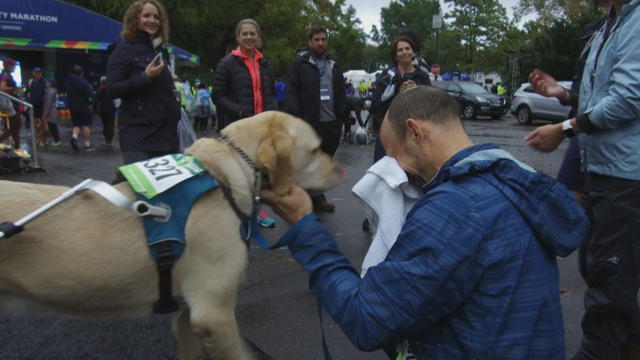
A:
(526, 105)
(474, 99)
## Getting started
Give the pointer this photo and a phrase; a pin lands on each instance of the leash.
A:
(249, 229)
(140, 208)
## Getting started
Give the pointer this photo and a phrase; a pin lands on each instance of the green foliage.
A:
(555, 47)
(548, 11)
(480, 24)
(346, 39)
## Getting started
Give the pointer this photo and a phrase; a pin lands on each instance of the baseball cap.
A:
(37, 69)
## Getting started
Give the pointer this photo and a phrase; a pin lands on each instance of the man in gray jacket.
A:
(608, 124)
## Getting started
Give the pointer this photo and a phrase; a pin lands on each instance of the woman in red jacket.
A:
(244, 84)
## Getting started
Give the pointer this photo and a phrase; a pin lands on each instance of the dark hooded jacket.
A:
(79, 93)
(233, 89)
(303, 89)
(149, 110)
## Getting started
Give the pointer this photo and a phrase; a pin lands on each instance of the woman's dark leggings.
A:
(107, 125)
(53, 130)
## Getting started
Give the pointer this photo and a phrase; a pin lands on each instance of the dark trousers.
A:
(201, 123)
(329, 132)
(378, 150)
(108, 119)
(12, 128)
(612, 267)
(53, 130)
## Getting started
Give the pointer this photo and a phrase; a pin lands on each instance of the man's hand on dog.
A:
(291, 207)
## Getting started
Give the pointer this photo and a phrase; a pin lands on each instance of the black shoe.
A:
(324, 206)
(74, 144)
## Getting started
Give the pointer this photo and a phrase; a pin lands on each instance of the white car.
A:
(526, 105)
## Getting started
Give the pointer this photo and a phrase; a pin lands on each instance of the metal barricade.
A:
(34, 149)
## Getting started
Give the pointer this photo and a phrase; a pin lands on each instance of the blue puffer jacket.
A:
(611, 99)
(473, 274)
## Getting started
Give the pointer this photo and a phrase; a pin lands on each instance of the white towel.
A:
(387, 197)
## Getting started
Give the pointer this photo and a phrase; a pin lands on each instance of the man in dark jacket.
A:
(79, 93)
(473, 273)
(315, 93)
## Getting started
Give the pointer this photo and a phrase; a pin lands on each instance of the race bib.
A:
(155, 176)
(325, 94)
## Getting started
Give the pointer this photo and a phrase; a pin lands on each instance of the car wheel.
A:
(469, 112)
(523, 114)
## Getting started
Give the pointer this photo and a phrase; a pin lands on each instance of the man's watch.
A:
(568, 129)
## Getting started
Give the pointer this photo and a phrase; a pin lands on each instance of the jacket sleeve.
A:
(270, 101)
(119, 81)
(340, 95)
(381, 84)
(621, 105)
(222, 88)
(428, 273)
(292, 104)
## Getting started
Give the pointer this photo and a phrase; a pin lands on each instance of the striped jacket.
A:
(473, 274)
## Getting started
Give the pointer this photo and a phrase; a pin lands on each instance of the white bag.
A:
(186, 134)
(361, 136)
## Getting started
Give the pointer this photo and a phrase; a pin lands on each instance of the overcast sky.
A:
(368, 11)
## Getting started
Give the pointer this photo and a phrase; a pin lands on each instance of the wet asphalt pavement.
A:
(275, 310)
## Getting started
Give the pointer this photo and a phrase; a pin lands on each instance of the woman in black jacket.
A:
(244, 84)
(137, 73)
(402, 75)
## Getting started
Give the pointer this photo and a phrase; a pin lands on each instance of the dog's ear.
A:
(275, 154)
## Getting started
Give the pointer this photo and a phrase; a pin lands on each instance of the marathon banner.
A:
(60, 25)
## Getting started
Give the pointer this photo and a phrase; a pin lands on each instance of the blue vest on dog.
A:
(180, 200)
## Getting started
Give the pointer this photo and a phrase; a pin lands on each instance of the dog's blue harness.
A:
(178, 200)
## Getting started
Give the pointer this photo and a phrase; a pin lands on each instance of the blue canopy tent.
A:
(54, 24)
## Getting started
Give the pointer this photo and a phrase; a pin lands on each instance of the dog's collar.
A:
(249, 226)
(243, 155)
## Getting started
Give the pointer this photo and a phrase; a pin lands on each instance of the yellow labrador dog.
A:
(88, 258)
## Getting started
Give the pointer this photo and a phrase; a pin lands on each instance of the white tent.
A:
(357, 76)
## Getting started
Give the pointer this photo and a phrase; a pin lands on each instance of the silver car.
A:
(526, 105)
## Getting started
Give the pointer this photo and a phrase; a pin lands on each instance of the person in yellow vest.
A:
(181, 93)
(500, 89)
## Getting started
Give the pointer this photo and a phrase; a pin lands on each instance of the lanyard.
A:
(324, 68)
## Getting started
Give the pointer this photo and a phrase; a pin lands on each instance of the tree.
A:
(550, 10)
(347, 39)
(480, 24)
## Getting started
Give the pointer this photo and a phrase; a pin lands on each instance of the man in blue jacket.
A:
(473, 274)
(608, 124)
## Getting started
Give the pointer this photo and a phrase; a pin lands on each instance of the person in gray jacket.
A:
(608, 124)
